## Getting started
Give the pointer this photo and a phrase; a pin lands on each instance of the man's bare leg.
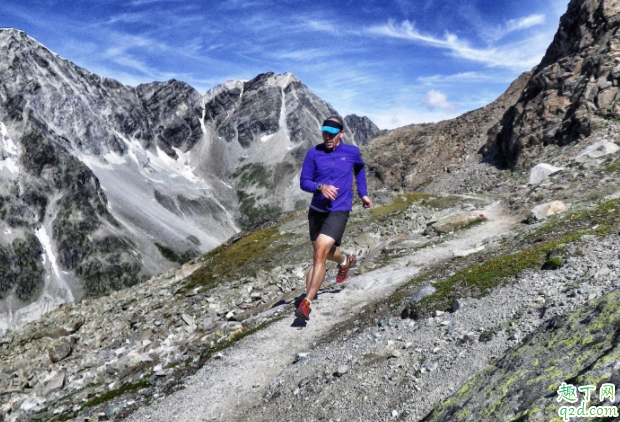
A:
(322, 248)
(334, 255)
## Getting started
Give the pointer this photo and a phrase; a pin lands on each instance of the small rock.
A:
(543, 211)
(432, 366)
(422, 293)
(597, 150)
(61, 350)
(188, 319)
(301, 356)
(57, 382)
(541, 172)
(439, 313)
(457, 304)
(342, 369)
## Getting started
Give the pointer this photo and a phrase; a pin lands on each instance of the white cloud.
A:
(321, 26)
(438, 100)
(503, 77)
(515, 25)
(302, 55)
(526, 22)
(393, 118)
(519, 55)
(464, 77)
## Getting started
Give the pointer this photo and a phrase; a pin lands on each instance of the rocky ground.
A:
(148, 339)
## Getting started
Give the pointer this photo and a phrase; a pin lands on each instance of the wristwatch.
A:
(319, 187)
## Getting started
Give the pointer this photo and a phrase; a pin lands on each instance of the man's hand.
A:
(367, 202)
(330, 192)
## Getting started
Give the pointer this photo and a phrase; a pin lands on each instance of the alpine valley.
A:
(488, 278)
(104, 185)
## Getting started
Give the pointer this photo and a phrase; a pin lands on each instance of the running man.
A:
(328, 173)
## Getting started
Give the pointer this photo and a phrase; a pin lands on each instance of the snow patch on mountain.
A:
(9, 153)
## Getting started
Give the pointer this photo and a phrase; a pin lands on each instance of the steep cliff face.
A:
(97, 191)
(573, 91)
(362, 129)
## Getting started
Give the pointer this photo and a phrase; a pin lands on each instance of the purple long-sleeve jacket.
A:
(333, 167)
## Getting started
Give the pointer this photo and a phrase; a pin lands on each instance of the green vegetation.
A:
(612, 168)
(178, 257)
(254, 174)
(255, 213)
(543, 247)
(106, 397)
(240, 259)
(400, 204)
(405, 200)
(474, 223)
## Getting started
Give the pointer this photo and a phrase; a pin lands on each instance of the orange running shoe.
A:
(303, 311)
(343, 272)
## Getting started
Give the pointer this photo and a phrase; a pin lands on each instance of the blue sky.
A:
(396, 61)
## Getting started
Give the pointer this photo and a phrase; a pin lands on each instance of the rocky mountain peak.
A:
(573, 91)
(361, 129)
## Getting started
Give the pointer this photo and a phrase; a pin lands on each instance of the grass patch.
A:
(479, 279)
(106, 397)
(474, 223)
(612, 168)
(178, 257)
(240, 259)
(400, 204)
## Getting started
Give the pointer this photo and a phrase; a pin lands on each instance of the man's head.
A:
(333, 131)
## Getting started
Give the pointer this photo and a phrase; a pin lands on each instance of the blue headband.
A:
(330, 129)
(332, 126)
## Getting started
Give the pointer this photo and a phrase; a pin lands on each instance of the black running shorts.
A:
(330, 224)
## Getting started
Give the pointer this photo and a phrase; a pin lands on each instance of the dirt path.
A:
(224, 388)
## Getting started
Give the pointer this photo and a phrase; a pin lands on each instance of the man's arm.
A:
(306, 181)
(359, 168)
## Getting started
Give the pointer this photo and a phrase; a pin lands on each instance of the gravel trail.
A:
(225, 388)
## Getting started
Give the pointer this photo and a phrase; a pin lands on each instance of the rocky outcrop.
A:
(361, 129)
(572, 92)
(441, 156)
(577, 349)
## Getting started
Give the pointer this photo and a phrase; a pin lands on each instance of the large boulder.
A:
(450, 224)
(543, 211)
(541, 171)
(597, 150)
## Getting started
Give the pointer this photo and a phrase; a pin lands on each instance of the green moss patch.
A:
(240, 259)
(578, 348)
(174, 256)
